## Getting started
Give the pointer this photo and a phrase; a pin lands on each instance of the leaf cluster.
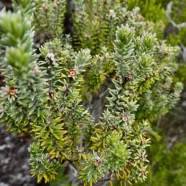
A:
(44, 95)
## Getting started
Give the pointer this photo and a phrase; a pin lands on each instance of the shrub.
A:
(50, 92)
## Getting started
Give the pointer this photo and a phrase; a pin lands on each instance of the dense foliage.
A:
(167, 155)
(49, 95)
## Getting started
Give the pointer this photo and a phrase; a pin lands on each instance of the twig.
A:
(168, 15)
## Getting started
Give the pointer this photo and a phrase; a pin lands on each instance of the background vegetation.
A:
(167, 151)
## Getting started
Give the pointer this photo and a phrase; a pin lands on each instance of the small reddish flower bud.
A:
(143, 140)
(125, 118)
(97, 162)
(72, 72)
(12, 91)
(45, 6)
